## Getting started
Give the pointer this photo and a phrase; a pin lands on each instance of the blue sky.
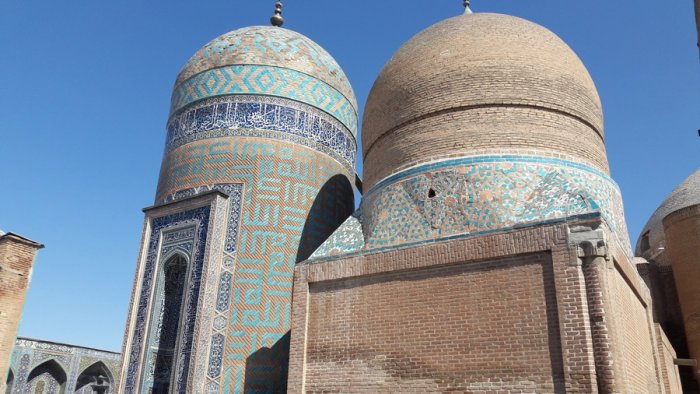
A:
(85, 94)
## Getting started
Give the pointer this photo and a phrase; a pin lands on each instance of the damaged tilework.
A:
(463, 196)
(466, 196)
(346, 239)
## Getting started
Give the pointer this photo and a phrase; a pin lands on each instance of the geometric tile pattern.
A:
(472, 195)
(30, 357)
(265, 80)
(230, 115)
(282, 182)
(270, 46)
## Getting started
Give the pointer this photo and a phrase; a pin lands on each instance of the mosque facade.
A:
(489, 253)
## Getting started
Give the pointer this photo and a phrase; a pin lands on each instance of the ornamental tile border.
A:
(239, 115)
(265, 80)
(475, 195)
(270, 46)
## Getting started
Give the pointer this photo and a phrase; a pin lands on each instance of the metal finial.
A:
(277, 19)
(467, 10)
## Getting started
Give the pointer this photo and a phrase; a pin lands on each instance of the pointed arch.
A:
(97, 378)
(47, 378)
(10, 381)
(170, 298)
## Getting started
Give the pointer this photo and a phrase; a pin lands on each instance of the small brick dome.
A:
(481, 84)
(652, 239)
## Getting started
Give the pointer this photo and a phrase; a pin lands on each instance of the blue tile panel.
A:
(476, 195)
(269, 81)
(255, 115)
(194, 248)
(271, 46)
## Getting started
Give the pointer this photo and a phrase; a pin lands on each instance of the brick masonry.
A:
(491, 96)
(682, 232)
(16, 260)
(520, 310)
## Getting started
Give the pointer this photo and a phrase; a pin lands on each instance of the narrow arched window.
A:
(171, 288)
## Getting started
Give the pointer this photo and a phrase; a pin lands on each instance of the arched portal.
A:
(95, 379)
(171, 290)
(46, 378)
(10, 382)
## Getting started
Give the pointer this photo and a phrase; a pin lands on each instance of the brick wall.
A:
(16, 260)
(536, 309)
(669, 371)
(475, 327)
(497, 281)
(631, 331)
(682, 230)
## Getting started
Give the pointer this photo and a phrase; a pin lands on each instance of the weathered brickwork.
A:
(682, 230)
(483, 131)
(351, 317)
(438, 328)
(633, 334)
(492, 95)
(671, 377)
(16, 260)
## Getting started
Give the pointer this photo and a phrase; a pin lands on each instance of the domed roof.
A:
(479, 83)
(293, 59)
(684, 195)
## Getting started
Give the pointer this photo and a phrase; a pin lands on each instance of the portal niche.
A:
(172, 279)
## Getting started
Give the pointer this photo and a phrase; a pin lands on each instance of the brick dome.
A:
(651, 242)
(481, 84)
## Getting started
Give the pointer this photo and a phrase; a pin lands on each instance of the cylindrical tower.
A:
(682, 231)
(478, 123)
(259, 158)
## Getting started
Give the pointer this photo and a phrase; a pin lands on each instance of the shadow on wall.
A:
(334, 203)
(266, 369)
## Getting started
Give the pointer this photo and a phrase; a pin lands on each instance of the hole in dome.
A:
(431, 193)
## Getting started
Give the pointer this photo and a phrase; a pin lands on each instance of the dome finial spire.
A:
(467, 10)
(277, 19)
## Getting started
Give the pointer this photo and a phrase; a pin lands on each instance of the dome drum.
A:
(481, 84)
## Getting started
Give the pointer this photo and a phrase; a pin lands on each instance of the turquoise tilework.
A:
(476, 195)
(271, 46)
(347, 238)
(467, 195)
(265, 80)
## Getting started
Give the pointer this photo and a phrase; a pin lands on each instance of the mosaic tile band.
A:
(473, 195)
(265, 80)
(270, 46)
(234, 115)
